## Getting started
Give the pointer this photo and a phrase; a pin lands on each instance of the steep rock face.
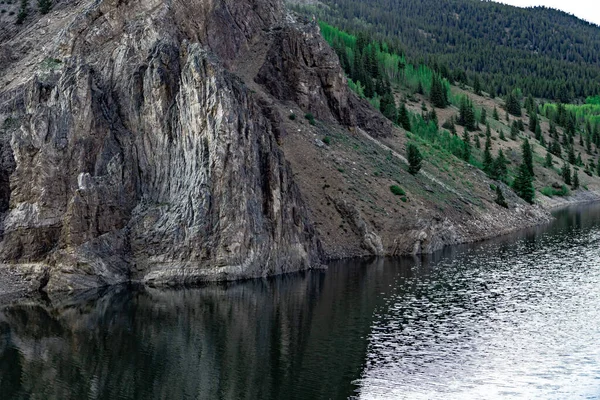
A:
(135, 155)
(302, 68)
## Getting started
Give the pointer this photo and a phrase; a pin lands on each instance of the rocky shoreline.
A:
(19, 282)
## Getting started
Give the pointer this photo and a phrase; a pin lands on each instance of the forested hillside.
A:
(544, 52)
(424, 103)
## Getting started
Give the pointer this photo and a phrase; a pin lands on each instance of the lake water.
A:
(516, 317)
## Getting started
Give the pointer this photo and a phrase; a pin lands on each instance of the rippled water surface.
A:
(517, 317)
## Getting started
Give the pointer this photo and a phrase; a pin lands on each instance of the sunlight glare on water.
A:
(521, 321)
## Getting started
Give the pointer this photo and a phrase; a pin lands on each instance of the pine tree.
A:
(495, 114)
(403, 118)
(588, 143)
(523, 184)
(415, 159)
(556, 149)
(538, 132)
(466, 153)
(44, 6)
(434, 118)
(530, 105)
(553, 131)
(502, 137)
(437, 96)
(512, 104)
(527, 157)
(500, 200)
(565, 139)
(466, 116)
(548, 163)
(477, 86)
(566, 173)
(542, 141)
(500, 169)
(420, 89)
(575, 180)
(23, 12)
(533, 122)
(598, 168)
(388, 108)
(579, 161)
(483, 117)
(488, 160)
(571, 156)
(514, 130)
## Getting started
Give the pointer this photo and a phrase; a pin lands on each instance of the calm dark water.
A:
(517, 317)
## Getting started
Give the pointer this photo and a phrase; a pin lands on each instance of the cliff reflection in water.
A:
(517, 315)
(276, 338)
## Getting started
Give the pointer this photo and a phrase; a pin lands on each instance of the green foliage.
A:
(571, 156)
(438, 93)
(575, 185)
(500, 200)
(557, 51)
(466, 116)
(327, 140)
(477, 86)
(23, 12)
(594, 100)
(500, 167)
(292, 117)
(514, 130)
(527, 156)
(404, 118)
(551, 192)
(566, 173)
(495, 114)
(44, 6)
(397, 190)
(488, 160)
(415, 159)
(533, 122)
(513, 106)
(547, 191)
(445, 140)
(466, 152)
(372, 66)
(310, 118)
(523, 184)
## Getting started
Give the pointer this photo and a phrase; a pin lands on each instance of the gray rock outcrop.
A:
(136, 155)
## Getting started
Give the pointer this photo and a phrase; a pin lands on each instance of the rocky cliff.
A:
(130, 152)
(154, 141)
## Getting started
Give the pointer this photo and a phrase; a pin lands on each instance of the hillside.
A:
(562, 139)
(143, 145)
(544, 52)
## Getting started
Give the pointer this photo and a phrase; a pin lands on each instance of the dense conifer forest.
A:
(486, 45)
